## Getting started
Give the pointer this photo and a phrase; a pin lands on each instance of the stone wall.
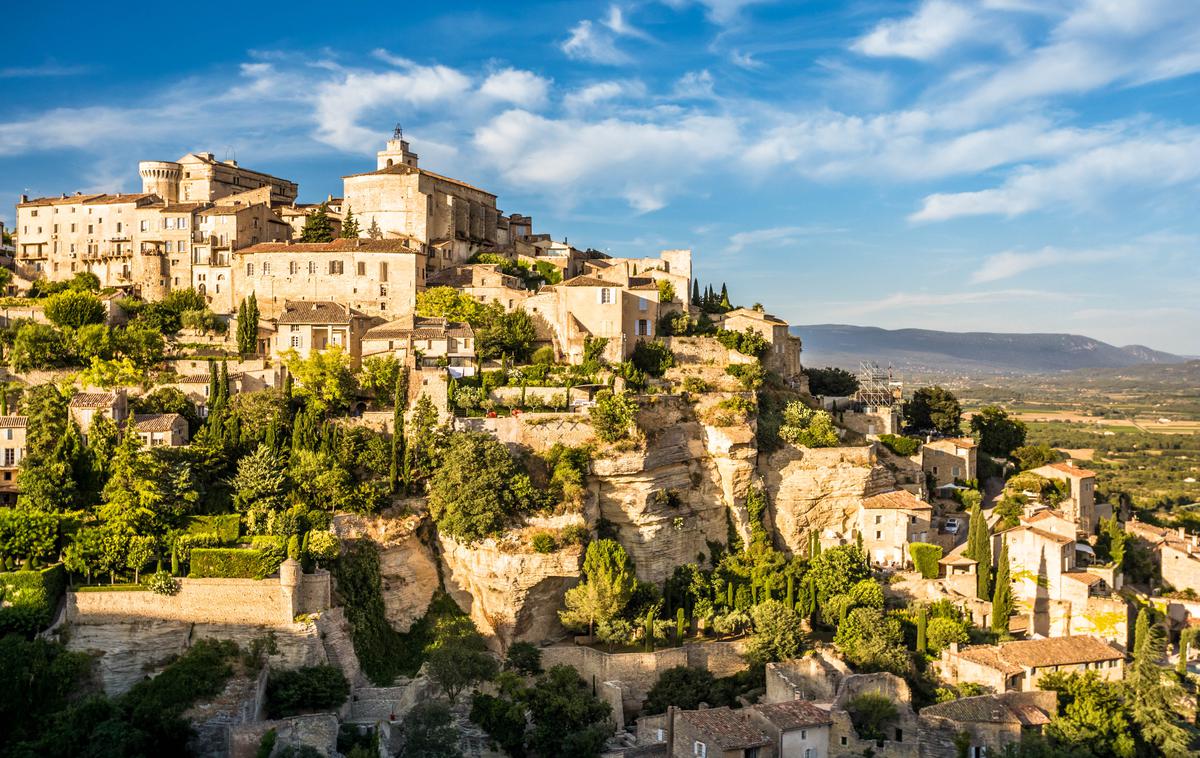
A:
(316, 730)
(242, 701)
(902, 742)
(408, 568)
(814, 676)
(537, 431)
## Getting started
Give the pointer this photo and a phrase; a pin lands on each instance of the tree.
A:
(73, 309)
(872, 641)
(568, 719)
(942, 631)
(831, 382)
(308, 688)
(6, 276)
(429, 732)
(836, 570)
(1141, 631)
(681, 686)
(666, 291)
(472, 494)
(423, 445)
(1002, 600)
(37, 346)
(613, 415)
(505, 334)
(998, 434)
(979, 548)
(1092, 713)
(1032, 456)
(54, 452)
(807, 427)
(373, 231)
(695, 292)
(778, 633)
(1157, 699)
(323, 379)
(922, 624)
(350, 228)
(247, 325)
(460, 662)
(608, 585)
(260, 487)
(164, 400)
(872, 714)
(317, 226)
(450, 304)
(933, 408)
(379, 376)
(524, 658)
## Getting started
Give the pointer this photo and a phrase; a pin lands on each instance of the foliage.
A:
(806, 427)
(260, 487)
(162, 583)
(30, 599)
(1002, 599)
(933, 409)
(674, 323)
(613, 415)
(749, 375)
(37, 346)
(473, 494)
(872, 641)
(74, 309)
(460, 662)
(40, 677)
(233, 563)
(979, 548)
(653, 357)
(306, 689)
(1159, 704)
(568, 719)
(925, 558)
(1034, 456)
(323, 379)
(247, 325)
(380, 375)
(524, 658)
(609, 583)
(450, 304)
(831, 382)
(778, 633)
(836, 570)
(318, 227)
(350, 226)
(998, 434)
(429, 732)
(749, 342)
(119, 372)
(872, 714)
(902, 446)
(507, 334)
(1092, 713)
(682, 686)
(942, 631)
(166, 400)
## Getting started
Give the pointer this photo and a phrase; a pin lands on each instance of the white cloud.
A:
(694, 85)
(587, 43)
(936, 27)
(1011, 263)
(48, 69)
(904, 301)
(617, 23)
(523, 88)
(744, 60)
(1161, 160)
(777, 236)
(592, 94)
(720, 12)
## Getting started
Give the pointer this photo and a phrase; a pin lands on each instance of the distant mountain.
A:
(925, 350)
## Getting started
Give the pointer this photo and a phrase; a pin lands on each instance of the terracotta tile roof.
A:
(14, 422)
(115, 199)
(989, 656)
(67, 200)
(794, 714)
(991, 709)
(358, 245)
(1014, 657)
(182, 207)
(1051, 536)
(587, 281)
(1070, 470)
(728, 729)
(401, 168)
(316, 312)
(420, 327)
(1084, 577)
(955, 441)
(93, 400)
(228, 210)
(155, 422)
(759, 315)
(898, 499)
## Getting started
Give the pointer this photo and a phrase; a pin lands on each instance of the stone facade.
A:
(621, 312)
(312, 326)
(990, 721)
(158, 429)
(783, 355)
(12, 450)
(199, 177)
(890, 522)
(425, 342)
(1080, 504)
(949, 460)
(1017, 666)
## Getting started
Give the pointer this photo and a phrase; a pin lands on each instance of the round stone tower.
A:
(290, 577)
(161, 178)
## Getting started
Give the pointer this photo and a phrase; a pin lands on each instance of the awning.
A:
(1082, 547)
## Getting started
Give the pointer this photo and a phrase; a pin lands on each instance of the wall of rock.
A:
(407, 564)
(818, 489)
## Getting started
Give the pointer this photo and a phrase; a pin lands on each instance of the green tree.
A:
(54, 452)
(568, 719)
(37, 346)
(609, 584)
(424, 442)
(933, 408)
(379, 376)
(1002, 600)
(831, 381)
(524, 658)
(1141, 630)
(317, 226)
(505, 335)
(472, 494)
(450, 304)
(872, 641)
(922, 624)
(613, 415)
(979, 548)
(247, 325)
(459, 663)
(1158, 702)
(666, 291)
(73, 309)
(323, 379)
(836, 570)
(350, 228)
(373, 231)
(942, 631)
(807, 427)
(1032, 456)
(429, 732)
(260, 487)
(872, 715)
(778, 633)
(1092, 713)
(998, 434)
(681, 686)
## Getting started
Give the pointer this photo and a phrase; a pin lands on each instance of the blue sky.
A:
(1001, 165)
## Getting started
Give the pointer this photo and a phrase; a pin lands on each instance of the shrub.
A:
(543, 542)
(749, 375)
(903, 446)
(543, 356)
(312, 688)
(925, 558)
(872, 714)
(74, 309)
(225, 527)
(524, 658)
(749, 342)
(30, 599)
(733, 410)
(575, 534)
(807, 427)
(695, 385)
(942, 631)
(162, 583)
(613, 415)
(675, 323)
(653, 357)
(232, 563)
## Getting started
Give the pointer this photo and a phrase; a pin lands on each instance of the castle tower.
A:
(290, 578)
(161, 178)
(397, 152)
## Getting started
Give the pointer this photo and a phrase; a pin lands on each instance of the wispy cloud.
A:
(47, 69)
(587, 43)
(937, 26)
(776, 236)
(1012, 263)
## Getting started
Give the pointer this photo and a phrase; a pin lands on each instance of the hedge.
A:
(31, 598)
(225, 527)
(232, 563)
(925, 558)
(904, 446)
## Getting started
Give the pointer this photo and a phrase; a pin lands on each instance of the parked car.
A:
(952, 525)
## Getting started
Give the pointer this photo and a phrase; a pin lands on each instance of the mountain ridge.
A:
(996, 352)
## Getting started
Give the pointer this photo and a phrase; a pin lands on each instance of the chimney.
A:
(954, 647)
(24, 198)
(1182, 533)
(671, 711)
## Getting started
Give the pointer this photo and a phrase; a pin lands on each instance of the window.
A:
(643, 303)
(810, 753)
(699, 749)
(10, 456)
(383, 290)
(249, 269)
(335, 267)
(899, 735)
(183, 223)
(751, 752)
(878, 519)
(293, 267)
(659, 735)
(643, 327)
(878, 535)
(605, 295)
(383, 271)
(803, 734)
(312, 267)
(362, 268)
(266, 268)
(295, 340)
(954, 471)
(145, 225)
(844, 742)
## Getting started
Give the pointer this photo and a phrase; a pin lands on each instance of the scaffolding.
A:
(876, 387)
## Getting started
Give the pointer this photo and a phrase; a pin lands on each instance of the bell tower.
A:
(397, 152)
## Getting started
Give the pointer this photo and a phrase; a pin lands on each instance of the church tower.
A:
(397, 152)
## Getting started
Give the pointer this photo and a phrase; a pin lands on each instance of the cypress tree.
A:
(813, 600)
(1002, 599)
(252, 316)
(1141, 631)
(174, 561)
(213, 388)
(791, 592)
(984, 575)
(680, 625)
(650, 630)
(241, 327)
(729, 595)
(725, 304)
(1185, 640)
(922, 621)
(397, 442)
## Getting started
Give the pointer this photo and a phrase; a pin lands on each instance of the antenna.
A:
(230, 154)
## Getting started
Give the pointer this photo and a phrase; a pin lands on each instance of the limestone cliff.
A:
(818, 489)
(407, 565)
(511, 594)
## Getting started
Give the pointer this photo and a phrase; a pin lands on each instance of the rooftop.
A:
(1069, 469)
(356, 245)
(1014, 657)
(1010, 708)
(956, 441)
(794, 714)
(421, 327)
(401, 168)
(896, 500)
(93, 400)
(729, 729)
(155, 422)
(316, 312)
(14, 422)
(587, 281)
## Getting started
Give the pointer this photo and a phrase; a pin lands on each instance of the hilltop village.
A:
(394, 474)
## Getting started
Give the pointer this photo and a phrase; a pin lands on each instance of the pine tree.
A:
(373, 231)
(1002, 599)
(317, 226)
(350, 228)
(922, 623)
(695, 292)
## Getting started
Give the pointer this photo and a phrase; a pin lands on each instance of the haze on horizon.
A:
(964, 165)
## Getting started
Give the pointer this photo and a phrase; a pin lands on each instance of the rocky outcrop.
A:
(511, 595)
(818, 489)
(407, 565)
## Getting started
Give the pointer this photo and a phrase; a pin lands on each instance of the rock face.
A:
(818, 489)
(407, 566)
(511, 596)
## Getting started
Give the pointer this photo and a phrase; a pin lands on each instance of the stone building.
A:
(484, 282)
(296, 215)
(308, 326)
(890, 522)
(1080, 504)
(378, 277)
(900, 738)
(990, 721)
(719, 733)
(12, 450)
(424, 342)
(85, 406)
(161, 429)
(783, 356)
(796, 727)
(450, 219)
(200, 177)
(948, 460)
(1018, 665)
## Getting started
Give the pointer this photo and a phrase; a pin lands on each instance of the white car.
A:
(952, 526)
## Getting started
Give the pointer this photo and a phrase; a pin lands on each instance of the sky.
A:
(989, 165)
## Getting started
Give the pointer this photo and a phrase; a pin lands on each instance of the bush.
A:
(903, 446)
(312, 688)
(543, 356)
(575, 534)
(675, 323)
(872, 714)
(74, 309)
(543, 542)
(613, 415)
(652, 358)
(524, 658)
(30, 599)
(831, 382)
(806, 427)
(733, 410)
(225, 527)
(925, 558)
(233, 563)
(162, 583)
(942, 631)
(749, 375)
(695, 385)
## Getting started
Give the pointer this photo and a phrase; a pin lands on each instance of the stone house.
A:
(719, 733)
(814, 676)
(308, 326)
(796, 727)
(1080, 504)
(889, 522)
(12, 450)
(622, 312)
(1038, 559)
(201, 177)
(424, 342)
(161, 429)
(948, 460)
(378, 277)
(1018, 665)
(484, 282)
(85, 406)
(783, 355)
(1180, 558)
(900, 739)
(220, 231)
(991, 722)
(674, 266)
